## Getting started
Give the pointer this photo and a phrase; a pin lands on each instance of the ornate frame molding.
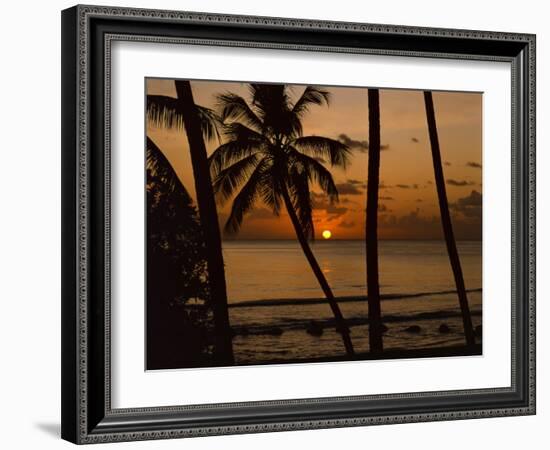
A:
(78, 424)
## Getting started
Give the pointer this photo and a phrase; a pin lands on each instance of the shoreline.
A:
(341, 299)
(326, 324)
(439, 352)
(393, 354)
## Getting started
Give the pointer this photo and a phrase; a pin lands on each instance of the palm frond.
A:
(302, 201)
(160, 168)
(242, 142)
(273, 106)
(325, 148)
(270, 190)
(210, 123)
(164, 111)
(236, 131)
(311, 96)
(230, 178)
(268, 97)
(315, 172)
(229, 153)
(245, 199)
(234, 107)
(295, 127)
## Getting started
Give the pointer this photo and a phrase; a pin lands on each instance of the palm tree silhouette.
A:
(446, 220)
(267, 154)
(373, 285)
(182, 112)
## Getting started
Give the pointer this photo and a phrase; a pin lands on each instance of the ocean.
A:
(273, 296)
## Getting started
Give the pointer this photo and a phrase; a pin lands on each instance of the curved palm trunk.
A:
(341, 325)
(373, 284)
(446, 220)
(223, 351)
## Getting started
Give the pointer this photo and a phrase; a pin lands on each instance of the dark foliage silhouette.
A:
(179, 319)
(200, 122)
(266, 157)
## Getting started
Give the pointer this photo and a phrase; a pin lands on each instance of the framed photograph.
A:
(282, 224)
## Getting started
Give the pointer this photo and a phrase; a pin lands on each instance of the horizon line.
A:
(341, 239)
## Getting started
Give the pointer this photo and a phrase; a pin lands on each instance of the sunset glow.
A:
(408, 206)
(327, 234)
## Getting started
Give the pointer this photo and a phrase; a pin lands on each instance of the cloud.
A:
(410, 223)
(355, 144)
(452, 182)
(337, 211)
(385, 198)
(415, 140)
(336, 214)
(419, 200)
(469, 206)
(362, 146)
(416, 226)
(383, 208)
(407, 186)
(473, 164)
(320, 202)
(350, 187)
(474, 199)
(447, 163)
(345, 224)
(318, 199)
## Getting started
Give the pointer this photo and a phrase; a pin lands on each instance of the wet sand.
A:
(460, 350)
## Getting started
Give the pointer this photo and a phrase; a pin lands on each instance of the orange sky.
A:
(408, 199)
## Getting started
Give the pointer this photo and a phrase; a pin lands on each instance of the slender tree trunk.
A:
(446, 220)
(223, 351)
(373, 285)
(341, 325)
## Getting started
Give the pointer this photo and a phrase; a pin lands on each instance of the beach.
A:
(273, 302)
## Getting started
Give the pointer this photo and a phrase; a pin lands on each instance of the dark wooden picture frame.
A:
(87, 34)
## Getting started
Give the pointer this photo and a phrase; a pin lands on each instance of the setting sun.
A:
(327, 234)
